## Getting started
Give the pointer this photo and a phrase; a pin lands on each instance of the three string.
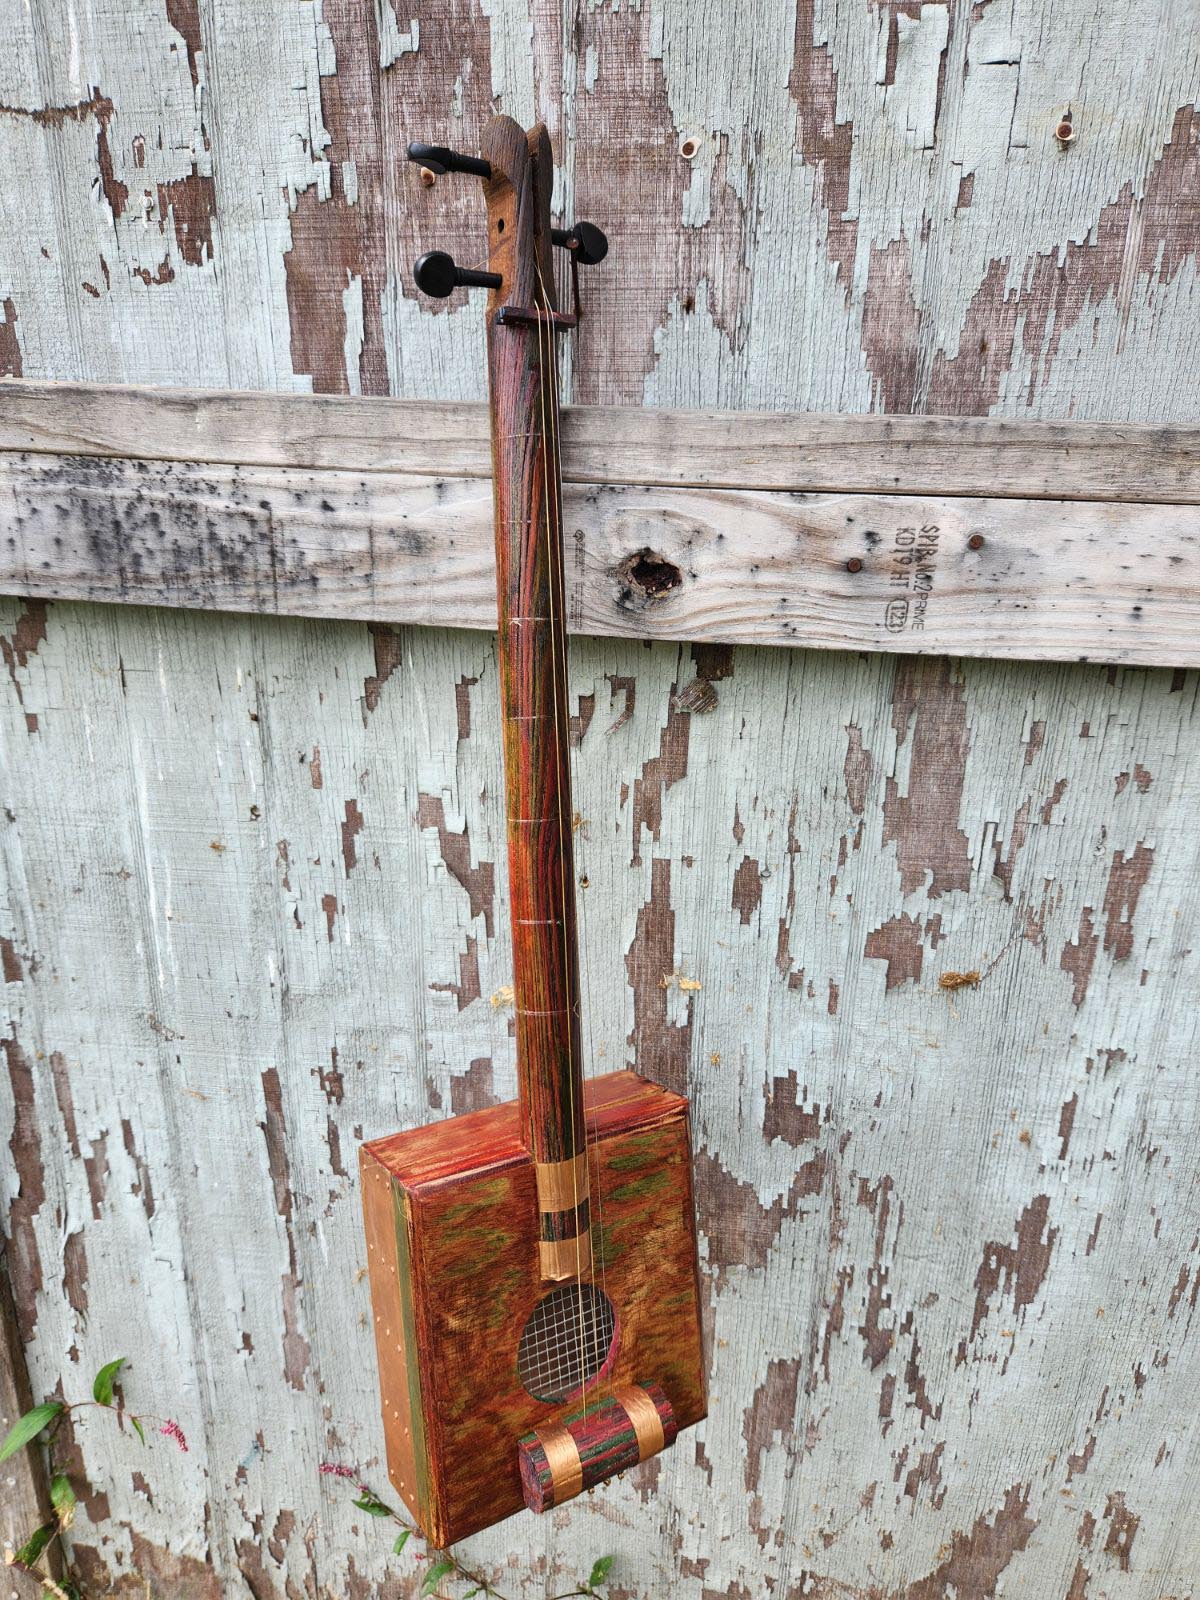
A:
(552, 487)
(546, 364)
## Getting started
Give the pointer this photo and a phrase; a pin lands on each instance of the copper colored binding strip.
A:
(562, 1457)
(566, 1258)
(561, 1185)
(643, 1413)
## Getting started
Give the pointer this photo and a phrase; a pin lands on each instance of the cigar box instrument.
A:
(533, 1266)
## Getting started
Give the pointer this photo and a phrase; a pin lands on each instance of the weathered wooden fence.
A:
(253, 864)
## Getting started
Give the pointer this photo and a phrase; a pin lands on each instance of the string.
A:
(595, 1185)
(559, 702)
(559, 578)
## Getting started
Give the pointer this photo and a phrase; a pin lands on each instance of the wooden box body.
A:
(451, 1225)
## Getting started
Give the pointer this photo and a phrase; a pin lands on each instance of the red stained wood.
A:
(452, 1230)
(456, 1214)
(606, 1440)
(532, 643)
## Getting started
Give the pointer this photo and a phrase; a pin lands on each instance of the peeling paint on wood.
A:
(25, 1502)
(901, 1195)
(947, 1237)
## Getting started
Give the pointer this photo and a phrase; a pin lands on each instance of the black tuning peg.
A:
(438, 158)
(437, 275)
(586, 242)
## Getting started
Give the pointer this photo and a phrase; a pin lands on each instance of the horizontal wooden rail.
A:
(987, 456)
(967, 536)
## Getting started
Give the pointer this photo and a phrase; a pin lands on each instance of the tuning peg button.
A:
(437, 275)
(440, 158)
(586, 242)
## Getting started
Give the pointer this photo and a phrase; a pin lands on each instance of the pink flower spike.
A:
(334, 1469)
(173, 1431)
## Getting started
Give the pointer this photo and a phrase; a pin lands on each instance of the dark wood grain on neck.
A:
(532, 648)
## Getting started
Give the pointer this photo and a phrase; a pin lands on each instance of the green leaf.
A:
(102, 1386)
(33, 1547)
(600, 1571)
(138, 1429)
(372, 1505)
(436, 1573)
(62, 1498)
(401, 1540)
(29, 1426)
(471, 1593)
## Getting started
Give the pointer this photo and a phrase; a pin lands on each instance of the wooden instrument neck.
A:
(522, 372)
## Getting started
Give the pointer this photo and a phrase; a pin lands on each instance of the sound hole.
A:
(566, 1341)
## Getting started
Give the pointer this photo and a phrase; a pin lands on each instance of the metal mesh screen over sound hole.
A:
(566, 1341)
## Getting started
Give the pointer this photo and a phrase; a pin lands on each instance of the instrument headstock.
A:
(517, 169)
